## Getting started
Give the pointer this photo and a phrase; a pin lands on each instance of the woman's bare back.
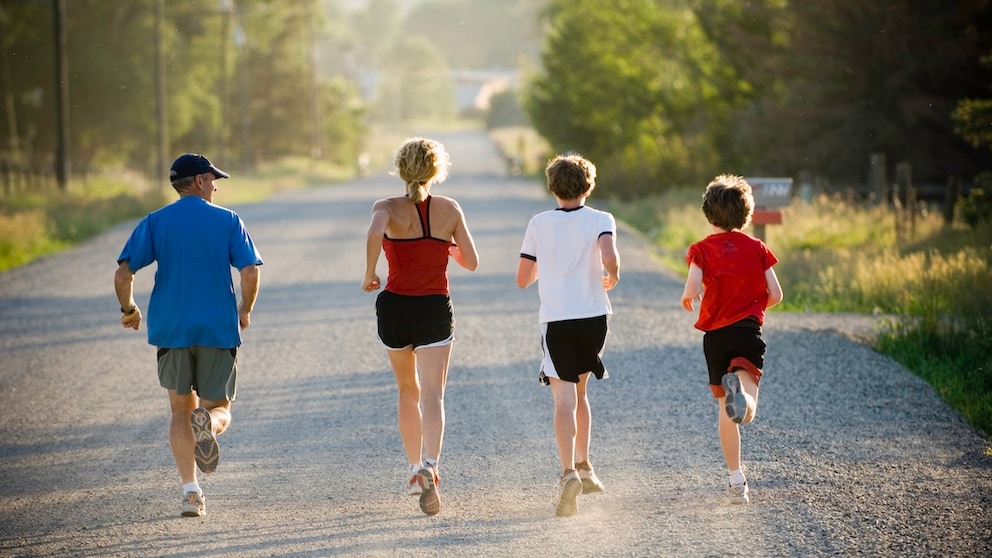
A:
(404, 220)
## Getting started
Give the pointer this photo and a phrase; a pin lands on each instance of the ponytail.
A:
(416, 191)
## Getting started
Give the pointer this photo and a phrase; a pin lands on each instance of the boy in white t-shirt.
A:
(575, 246)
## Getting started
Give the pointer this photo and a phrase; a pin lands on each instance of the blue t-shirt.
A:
(195, 243)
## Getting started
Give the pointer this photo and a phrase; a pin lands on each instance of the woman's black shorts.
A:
(418, 321)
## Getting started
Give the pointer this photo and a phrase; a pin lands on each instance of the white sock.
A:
(192, 487)
(431, 462)
(737, 477)
(414, 467)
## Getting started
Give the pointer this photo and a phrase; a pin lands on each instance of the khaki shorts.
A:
(211, 372)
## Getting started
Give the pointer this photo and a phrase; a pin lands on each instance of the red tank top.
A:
(417, 266)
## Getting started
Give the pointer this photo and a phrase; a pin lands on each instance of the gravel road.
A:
(850, 453)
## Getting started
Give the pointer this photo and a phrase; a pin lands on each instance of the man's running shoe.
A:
(736, 401)
(590, 482)
(738, 493)
(206, 451)
(193, 505)
(570, 485)
(430, 497)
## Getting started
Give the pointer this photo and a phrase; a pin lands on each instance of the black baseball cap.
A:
(192, 164)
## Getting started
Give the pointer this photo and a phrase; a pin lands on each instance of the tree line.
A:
(670, 92)
(241, 79)
(247, 81)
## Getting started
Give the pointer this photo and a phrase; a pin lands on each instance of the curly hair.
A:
(570, 176)
(421, 162)
(728, 202)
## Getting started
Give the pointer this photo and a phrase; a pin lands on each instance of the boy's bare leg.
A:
(565, 403)
(730, 438)
(409, 416)
(583, 419)
(433, 365)
(750, 389)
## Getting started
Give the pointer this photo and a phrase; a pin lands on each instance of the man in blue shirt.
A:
(193, 315)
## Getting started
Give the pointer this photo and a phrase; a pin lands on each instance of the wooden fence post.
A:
(878, 182)
(951, 199)
(901, 197)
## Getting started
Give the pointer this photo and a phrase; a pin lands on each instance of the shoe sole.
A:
(430, 498)
(739, 500)
(736, 402)
(566, 501)
(205, 451)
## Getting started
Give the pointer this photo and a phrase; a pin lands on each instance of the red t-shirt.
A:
(734, 285)
(417, 266)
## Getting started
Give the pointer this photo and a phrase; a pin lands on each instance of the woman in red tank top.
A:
(418, 233)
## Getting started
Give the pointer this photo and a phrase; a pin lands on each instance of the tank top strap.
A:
(424, 211)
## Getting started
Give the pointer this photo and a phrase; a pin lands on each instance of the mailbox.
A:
(771, 192)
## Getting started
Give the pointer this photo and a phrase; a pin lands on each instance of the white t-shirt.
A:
(565, 244)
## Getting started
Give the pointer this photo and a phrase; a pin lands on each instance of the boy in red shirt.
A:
(734, 270)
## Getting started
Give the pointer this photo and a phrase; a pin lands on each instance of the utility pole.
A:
(316, 102)
(226, 8)
(241, 44)
(161, 97)
(62, 167)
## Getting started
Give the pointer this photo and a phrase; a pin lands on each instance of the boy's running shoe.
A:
(735, 402)
(590, 482)
(414, 489)
(430, 497)
(738, 493)
(206, 451)
(570, 486)
(193, 505)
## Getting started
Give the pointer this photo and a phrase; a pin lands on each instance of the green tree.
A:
(214, 79)
(416, 84)
(834, 81)
(634, 85)
(505, 110)
(28, 86)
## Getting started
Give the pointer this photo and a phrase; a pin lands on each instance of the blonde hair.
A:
(421, 162)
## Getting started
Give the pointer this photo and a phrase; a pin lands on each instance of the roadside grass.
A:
(36, 224)
(931, 281)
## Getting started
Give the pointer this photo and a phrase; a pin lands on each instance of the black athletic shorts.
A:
(418, 321)
(572, 348)
(738, 340)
